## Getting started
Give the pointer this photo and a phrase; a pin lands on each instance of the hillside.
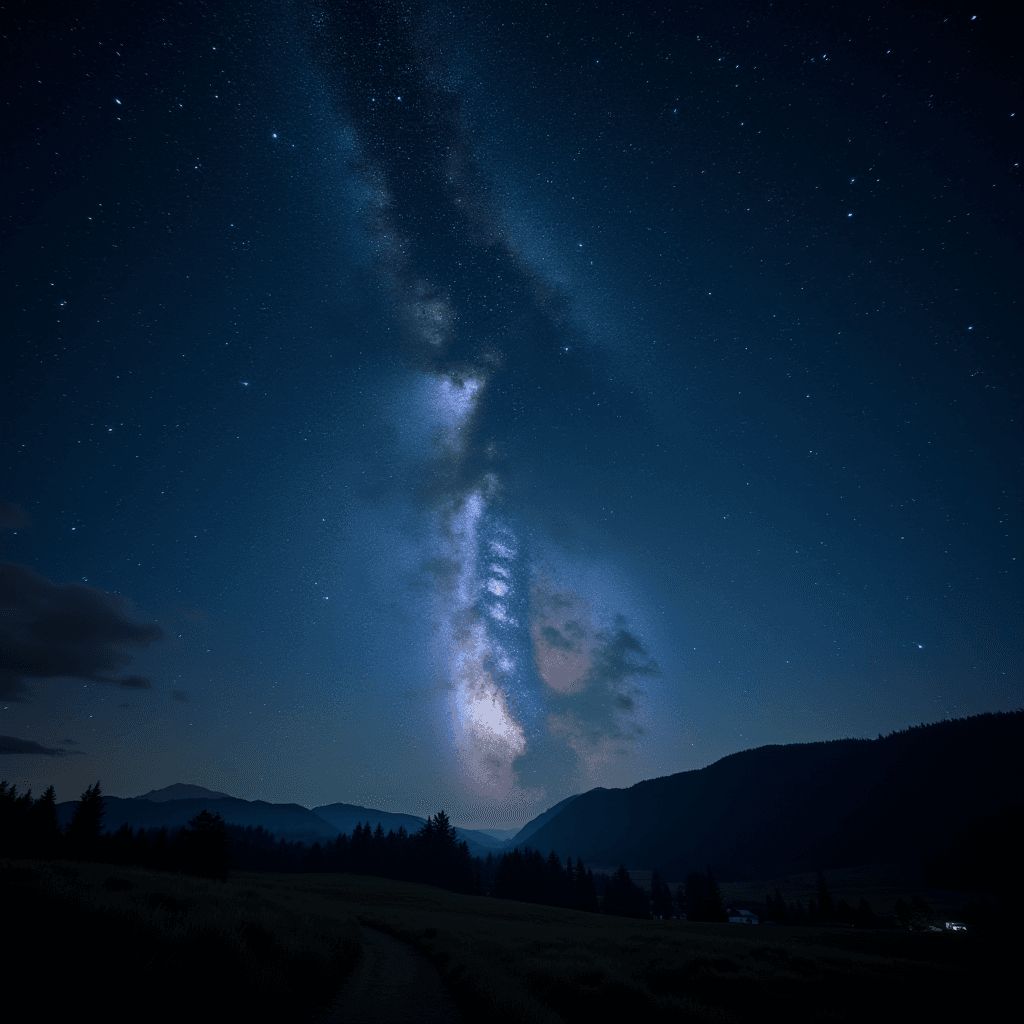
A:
(908, 797)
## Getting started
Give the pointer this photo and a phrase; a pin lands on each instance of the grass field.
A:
(505, 961)
(517, 962)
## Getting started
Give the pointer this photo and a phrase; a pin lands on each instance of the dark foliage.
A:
(702, 898)
(624, 898)
(526, 876)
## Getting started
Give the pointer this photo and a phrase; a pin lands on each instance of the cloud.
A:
(621, 656)
(49, 630)
(592, 674)
(14, 745)
(13, 517)
(181, 695)
(443, 574)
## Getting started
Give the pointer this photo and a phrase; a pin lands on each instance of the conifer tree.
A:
(206, 846)
(661, 897)
(86, 827)
(865, 916)
(715, 906)
(45, 833)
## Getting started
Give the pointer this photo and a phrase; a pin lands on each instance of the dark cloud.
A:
(443, 574)
(70, 741)
(555, 638)
(181, 695)
(49, 630)
(14, 745)
(619, 658)
(13, 517)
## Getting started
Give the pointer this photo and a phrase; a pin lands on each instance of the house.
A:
(736, 916)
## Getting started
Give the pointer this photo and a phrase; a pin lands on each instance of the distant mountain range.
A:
(175, 805)
(952, 790)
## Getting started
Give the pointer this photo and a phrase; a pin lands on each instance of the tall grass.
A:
(263, 946)
(504, 961)
(146, 944)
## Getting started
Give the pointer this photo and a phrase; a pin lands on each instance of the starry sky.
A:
(466, 405)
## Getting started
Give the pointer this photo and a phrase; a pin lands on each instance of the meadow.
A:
(269, 944)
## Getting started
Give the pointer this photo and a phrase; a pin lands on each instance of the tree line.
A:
(208, 847)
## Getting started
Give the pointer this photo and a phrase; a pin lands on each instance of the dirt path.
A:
(394, 983)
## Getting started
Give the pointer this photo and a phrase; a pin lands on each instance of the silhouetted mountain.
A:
(345, 817)
(286, 821)
(500, 835)
(181, 791)
(531, 827)
(175, 805)
(779, 809)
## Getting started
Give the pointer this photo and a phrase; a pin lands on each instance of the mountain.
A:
(531, 827)
(175, 805)
(182, 791)
(286, 821)
(500, 835)
(345, 817)
(775, 810)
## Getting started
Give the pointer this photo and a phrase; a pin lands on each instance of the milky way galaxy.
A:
(466, 405)
(475, 322)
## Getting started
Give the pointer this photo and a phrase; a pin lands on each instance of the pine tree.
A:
(715, 907)
(661, 897)
(865, 916)
(206, 846)
(15, 822)
(45, 833)
(86, 827)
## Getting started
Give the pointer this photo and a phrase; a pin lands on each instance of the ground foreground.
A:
(293, 944)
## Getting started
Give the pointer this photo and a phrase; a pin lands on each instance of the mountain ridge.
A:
(762, 812)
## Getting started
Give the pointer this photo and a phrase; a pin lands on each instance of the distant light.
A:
(118, 102)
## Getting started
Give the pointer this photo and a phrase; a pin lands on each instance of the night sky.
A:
(468, 405)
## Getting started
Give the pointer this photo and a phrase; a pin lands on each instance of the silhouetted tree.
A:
(205, 846)
(122, 847)
(865, 916)
(661, 897)
(776, 908)
(86, 827)
(14, 820)
(624, 898)
(586, 891)
(703, 899)
(917, 917)
(45, 832)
